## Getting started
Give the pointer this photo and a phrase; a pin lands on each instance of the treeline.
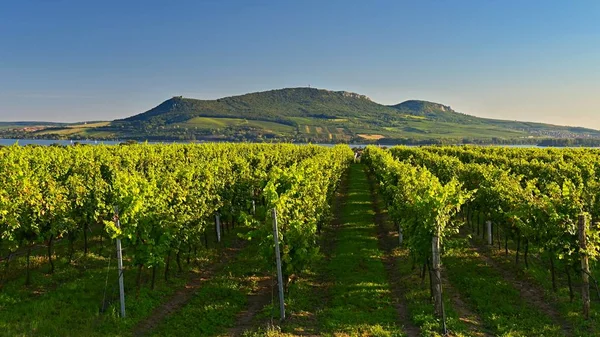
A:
(571, 142)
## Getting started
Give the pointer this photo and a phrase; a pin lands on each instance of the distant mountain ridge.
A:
(267, 105)
(317, 115)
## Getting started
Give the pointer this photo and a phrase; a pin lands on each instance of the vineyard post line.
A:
(120, 265)
(278, 259)
(218, 226)
(488, 223)
(585, 268)
(400, 235)
(437, 286)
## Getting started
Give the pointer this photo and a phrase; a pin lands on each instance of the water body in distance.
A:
(47, 142)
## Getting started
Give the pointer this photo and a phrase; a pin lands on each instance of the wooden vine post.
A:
(120, 264)
(400, 234)
(585, 268)
(218, 226)
(279, 271)
(437, 280)
(489, 232)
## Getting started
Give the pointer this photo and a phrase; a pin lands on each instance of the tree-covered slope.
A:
(313, 115)
(274, 105)
(439, 112)
(323, 115)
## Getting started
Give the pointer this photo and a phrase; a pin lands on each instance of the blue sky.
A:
(63, 60)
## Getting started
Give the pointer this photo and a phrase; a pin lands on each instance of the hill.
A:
(313, 115)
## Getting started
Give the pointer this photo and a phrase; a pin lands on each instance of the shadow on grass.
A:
(69, 302)
(360, 296)
(215, 306)
(498, 302)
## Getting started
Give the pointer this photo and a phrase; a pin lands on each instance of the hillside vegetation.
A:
(313, 115)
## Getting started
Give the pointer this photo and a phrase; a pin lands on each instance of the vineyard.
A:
(290, 240)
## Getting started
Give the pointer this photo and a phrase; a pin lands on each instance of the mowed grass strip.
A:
(538, 275)
(360, 298)
(497, 301)
(68, 302)
(214, 308)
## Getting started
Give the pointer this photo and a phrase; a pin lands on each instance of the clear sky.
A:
(73, 60)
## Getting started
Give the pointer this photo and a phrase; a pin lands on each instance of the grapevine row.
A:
(165, 196)
(534, 197)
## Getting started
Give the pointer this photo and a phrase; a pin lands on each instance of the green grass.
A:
(538, 274)
(94, 133)
(304, 302)
(68, 302)
(215, 306)
(89, 125)
(81, 129)
(360, 299)
(207, 122)
(418, 300)
(498, 302)
(61, 132)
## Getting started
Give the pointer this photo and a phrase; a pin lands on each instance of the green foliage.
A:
(417, 200)
(309, 115)
(301, 194)
(535, 194)
(166, 195)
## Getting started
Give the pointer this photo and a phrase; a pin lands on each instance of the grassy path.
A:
(503, 307)
(68, 302)
(388, 242)
(360, 297)
(535, 285)
(181, 297)
(219, 300)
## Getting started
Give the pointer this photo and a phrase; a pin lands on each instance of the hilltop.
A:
(312, 115)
